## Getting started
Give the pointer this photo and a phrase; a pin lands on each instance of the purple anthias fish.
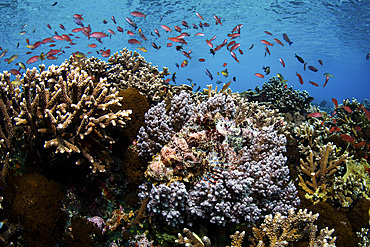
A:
(129, 21)
(208, 73)
(79, 22)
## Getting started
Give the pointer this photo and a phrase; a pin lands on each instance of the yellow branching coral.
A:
(237, 239)
(320, 171)
(282, 230)
(192, 240)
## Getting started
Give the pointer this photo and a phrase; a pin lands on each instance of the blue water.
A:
(337, 32)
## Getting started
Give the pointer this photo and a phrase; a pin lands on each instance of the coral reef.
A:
(282, 230)
(275, 92)
(218, 170)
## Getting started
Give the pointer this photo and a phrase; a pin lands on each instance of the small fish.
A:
(119, 29)
(105, 22)
(174, 77)
(320, 62)
(267, 32)
(259, 75)
(62, 27)
(234, 56)
(312, 68)
(11, 59)
(314, 83)
(3, 53)
(335, 102)
(54, 4)
(157, 32)
(33, 59)
(208, 73)
(282, 62)
(155, 46)
(22, 65)
(218, 20)
(114, 19)
(25, 25)
(279, 42)
(218, 82)
(334, 129)
(195, 26)
(328, 74)
(199, 15)
(22, 32)
(315, 114)
(143, 49)
(177, 65)
(304, 66)
(300, 78)
(281, 77)
(359, 144)
(225, 73)
(326, 80)
(134, 41)
(347, 109)
(202, 60)
(129, 21)
(240, 51)
(299, 58)
(184, 63)
(184, 23)
(17, 82)
(266, 69)
(266, 42)
(166, 28)
(368, 56)
(48, 25)
(286, 38)
(348, 138)
(267, 50)
(212, 52)
(137, 14)
(14, 72)
(224, 65)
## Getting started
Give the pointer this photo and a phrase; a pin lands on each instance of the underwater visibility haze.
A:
(335, 32)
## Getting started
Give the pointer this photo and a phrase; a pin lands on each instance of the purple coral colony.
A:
(97, 153)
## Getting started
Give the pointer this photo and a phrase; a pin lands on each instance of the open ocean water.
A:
(336, 32)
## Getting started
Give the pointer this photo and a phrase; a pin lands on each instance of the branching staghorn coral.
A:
(282, 230)
(75, 113)
(320, 170)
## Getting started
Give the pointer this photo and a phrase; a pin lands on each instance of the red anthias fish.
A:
(315, 114)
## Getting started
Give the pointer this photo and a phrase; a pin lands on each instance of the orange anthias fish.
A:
(314, 83)
(259, 75)
(300, 78)
(335, 102)
(315, 114)
(348, 138)
(279, 42)
(134, 41)
(166, 28)
(334, 129)
(347, 109)
(266, 42)
(359, 144)
(137, 14)
(367, 113)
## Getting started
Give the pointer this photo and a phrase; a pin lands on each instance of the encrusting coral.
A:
(216, 169)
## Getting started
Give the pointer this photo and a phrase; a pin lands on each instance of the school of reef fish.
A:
(110, 153)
